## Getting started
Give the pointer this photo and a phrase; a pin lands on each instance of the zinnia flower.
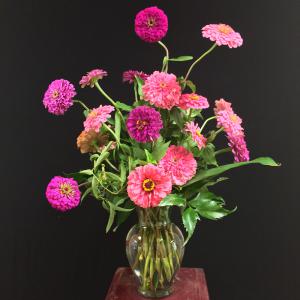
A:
(59, 96)
(197, 136)
(232, 125)
(91, 141)
(148, 185)
(151, 24)
(162, 90)
(91, 77)
(144, 124)
(222, 34)
(129, 76)
(179, 164)
(97, 117)
(193, 100)
(63, 193)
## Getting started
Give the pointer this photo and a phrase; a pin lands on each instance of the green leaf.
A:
(191, 85)
(176, 115)
(173, 199)
(210, 206)
(85, 194)
(204, 174)
(123, 216)
(208, 155)
(159, 150)
(95, 189)
(181, 58)
(140, 83)
(189, 219)
(123, 106)
(125, 148)
(86, 112)
(122, 172)
(138, 153)
(117, 125)
(149, 157)
(78, 176)
(111, 218)
(87, 172)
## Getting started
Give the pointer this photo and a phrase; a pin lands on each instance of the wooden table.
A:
(189, 284)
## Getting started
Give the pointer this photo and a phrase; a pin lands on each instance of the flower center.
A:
(140, 124)
(93, 114)
(225, 29)
(148, 185)
(234, 118)
(66, 189)
(55, 94)
(163, 85)
(151, 22)
(194, 97)
(198, 133)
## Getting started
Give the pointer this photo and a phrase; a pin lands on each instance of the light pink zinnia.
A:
(129, 76)
(148, 185)
(179, 164)
(97, 117)
(222, 34)
(63, 193)
(162, 90)
(193, 100)
(194, 130)
(91, 77)
(232, 125)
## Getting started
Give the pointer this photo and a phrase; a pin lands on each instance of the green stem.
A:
(82, 104)
(111, 165)
(111, 131)
(190, 114)
(198, 60)
(135, 91)
(221, 151)
(219, 130)
(166, 58)
(206, 121)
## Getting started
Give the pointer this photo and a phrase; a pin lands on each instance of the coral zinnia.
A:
(59, 96)
(151, 24)
(91, 141)
(193, 100)
(144, 124)
(232, 125)
(148, 185)
(179, 163)
(129, 76)
(63, 193)
(222, 34)
(194, 130)
(97, 117)
(162, 90)
(91, 77)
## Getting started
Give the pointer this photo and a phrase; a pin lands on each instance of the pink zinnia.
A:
(91, 77)
(222, 34)
(97, 117)
(179, 164)
(162, 90)
(232, 125)
(197, 136)
(59, 96)
(148, 185)
(151, 24)
(129, 76)
(63, 193)
(193, 100)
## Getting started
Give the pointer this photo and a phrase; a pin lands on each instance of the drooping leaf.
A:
(123, 106)
(176, 116)
(182, 58)
(122, 216)
(140, 83)
(173, 199)
(85, 194)
(189, 219)
(87, 172)
(203, 174)
(78, 176)
(95, 185)
(191, 85)
(159, 150)
(111, 218)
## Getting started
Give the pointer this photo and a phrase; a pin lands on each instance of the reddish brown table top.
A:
(190, 284)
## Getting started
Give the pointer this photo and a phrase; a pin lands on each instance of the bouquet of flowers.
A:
(157, 151)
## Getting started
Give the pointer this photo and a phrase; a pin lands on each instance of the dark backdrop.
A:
(250, 255)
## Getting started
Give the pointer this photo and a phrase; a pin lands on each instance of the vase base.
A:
(155, 294)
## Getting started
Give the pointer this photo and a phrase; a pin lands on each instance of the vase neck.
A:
(156, 216)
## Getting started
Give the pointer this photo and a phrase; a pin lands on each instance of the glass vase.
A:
(154, 249)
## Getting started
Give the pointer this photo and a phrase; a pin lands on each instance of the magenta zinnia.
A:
(179, 163)
(97, 117)
(91, 77)
(144, 124)
(222, 34)
(232, 125)
(63, 193)
(151, 24)
(59, 96)
(148, 185)
(129, 76)
(162, 90)
(193, 100)
(197, 136)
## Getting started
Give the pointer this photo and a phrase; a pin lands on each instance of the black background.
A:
(252, 254)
